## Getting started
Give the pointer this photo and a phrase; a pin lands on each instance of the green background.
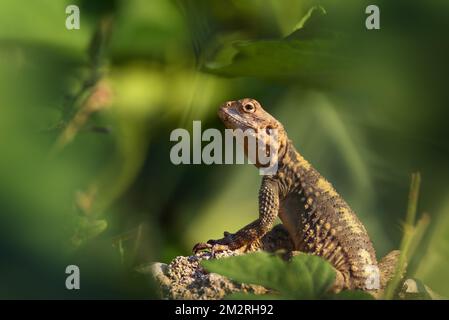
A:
(366, 108)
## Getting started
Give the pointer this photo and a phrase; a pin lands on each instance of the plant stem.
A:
(411, 238)
(73, 119)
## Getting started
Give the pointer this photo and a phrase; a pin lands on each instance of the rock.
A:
(184, 278)
(159, 271)
(414, 289)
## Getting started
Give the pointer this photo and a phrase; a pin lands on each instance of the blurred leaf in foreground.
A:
(88, 229)
(304, 277)
(309, 54)
(351, 295)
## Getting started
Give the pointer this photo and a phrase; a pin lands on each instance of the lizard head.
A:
(249, 116)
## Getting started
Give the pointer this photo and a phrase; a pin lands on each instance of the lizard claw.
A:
(201, 246)
(213, 245)
(219, 245)
(219, 248)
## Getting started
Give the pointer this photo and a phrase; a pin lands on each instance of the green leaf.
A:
(313, 25)
(256, 268)
(351, 295)
(309, 54)
(251, 296)
(315, 276)
(304, 277)
(88, 229)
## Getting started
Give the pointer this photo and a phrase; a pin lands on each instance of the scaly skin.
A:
(315, 216)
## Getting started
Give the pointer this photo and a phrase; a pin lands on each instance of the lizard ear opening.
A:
(268, 129)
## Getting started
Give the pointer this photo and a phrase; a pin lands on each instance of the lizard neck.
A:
(293, 168)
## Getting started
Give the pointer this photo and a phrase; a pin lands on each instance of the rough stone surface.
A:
(184, 278)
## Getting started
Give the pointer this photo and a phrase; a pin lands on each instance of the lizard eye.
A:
(249, 107)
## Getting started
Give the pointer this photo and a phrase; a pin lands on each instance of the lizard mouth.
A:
(232, 122)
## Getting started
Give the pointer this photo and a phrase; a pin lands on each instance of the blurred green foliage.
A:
(366, 108)
(304, 277)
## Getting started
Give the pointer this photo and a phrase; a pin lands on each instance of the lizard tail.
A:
(387, 267)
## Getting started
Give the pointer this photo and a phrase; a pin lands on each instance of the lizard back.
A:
(321, 222)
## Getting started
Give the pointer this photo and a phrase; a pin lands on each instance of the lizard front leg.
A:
(249, 235)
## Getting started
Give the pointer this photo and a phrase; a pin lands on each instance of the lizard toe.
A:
(201, 246)
(216, 248)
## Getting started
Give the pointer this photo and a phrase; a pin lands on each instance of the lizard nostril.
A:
(228, 104)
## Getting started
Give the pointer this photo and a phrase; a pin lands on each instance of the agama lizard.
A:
(314, 216)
